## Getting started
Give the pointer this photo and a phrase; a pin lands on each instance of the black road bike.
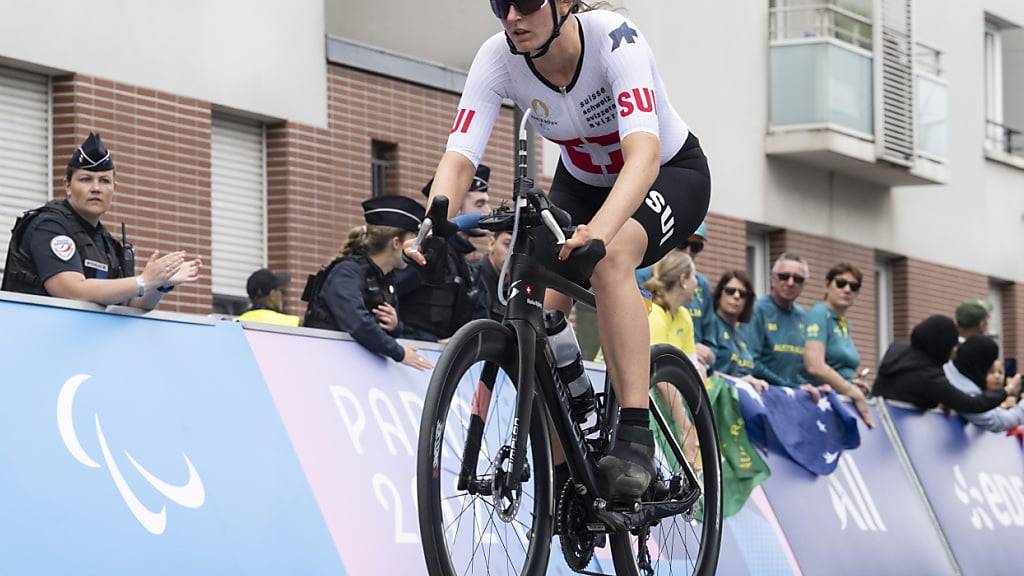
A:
(485, 488)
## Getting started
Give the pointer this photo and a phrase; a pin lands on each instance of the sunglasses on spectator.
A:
(843, 283)
(524, 7)
(733, 291)
(695, 246)
(785, 276)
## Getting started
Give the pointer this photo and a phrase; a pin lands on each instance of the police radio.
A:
(128, 253)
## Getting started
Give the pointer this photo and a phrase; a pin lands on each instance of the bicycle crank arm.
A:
(649, 513)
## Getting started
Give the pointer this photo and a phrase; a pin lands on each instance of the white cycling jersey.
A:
(616, 91)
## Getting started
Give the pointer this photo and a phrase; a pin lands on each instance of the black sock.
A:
(634, 417)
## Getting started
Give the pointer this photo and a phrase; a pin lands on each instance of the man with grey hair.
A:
(775, 334)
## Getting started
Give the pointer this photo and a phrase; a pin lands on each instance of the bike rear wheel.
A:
(466, 533)
(689, 543)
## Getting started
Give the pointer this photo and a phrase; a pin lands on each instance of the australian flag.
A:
(787, 421)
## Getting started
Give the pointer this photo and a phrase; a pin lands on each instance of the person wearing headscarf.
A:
(976, 368)
(912, 371)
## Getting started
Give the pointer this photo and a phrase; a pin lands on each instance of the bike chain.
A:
(577, 542)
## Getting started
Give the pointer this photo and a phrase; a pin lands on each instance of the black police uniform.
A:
(435, 312)
(353, 287)
(487, 284)
(54, 238)
(343, 294)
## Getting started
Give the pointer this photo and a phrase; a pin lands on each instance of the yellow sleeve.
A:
(685, 321)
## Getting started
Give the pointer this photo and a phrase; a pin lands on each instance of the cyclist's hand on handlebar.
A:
(410, 251)
(579, 238)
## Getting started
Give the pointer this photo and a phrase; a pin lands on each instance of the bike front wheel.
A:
(688, 543)
(471, 528)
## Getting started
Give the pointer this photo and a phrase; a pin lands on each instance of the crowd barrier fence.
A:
(163, 443)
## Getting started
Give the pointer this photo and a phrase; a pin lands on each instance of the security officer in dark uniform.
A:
(433, 312)
(355, 293)
(61, 249)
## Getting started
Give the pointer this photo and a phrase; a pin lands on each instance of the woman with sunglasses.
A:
(830, 355)
(630, 174)
(734, 305)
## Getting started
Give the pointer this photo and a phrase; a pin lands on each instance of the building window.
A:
(384, 167)
(883, 304)
(238, 218)
(1004, 87)
(995, 319)
(25, 177)
(757, 261)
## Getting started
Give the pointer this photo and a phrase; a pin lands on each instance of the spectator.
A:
(734, 304)
(435, 312)
(266, 297)
(700, 307)
(488, 269)
(61, 249)
(977, 368)
(912, 372)
(830, 356)
(355, 293)
(972, 318)
(776, 331)
(671, 285)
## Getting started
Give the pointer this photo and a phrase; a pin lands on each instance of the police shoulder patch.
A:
(63, 247)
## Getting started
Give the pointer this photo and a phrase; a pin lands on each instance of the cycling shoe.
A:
(626, 472)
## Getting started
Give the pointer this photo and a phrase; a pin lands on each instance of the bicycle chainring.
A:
(577, 542)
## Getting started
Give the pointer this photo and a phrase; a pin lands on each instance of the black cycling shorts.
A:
(674, 207)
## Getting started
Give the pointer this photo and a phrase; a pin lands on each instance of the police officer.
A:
(434, 312)
(266, 293)
(488, 269)
(355, 293)
(61, 249)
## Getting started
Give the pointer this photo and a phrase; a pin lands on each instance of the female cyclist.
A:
(630, 174)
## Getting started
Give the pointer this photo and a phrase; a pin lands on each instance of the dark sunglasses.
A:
(525, 7)
(695, 246)
(843, 283)
(733, 291)
(785, 276)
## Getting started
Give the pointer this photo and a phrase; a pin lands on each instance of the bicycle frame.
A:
(530, 279)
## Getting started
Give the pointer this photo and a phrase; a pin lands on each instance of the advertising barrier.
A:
(867, 504)
(974, 480)
(164, 445)
(136, 446)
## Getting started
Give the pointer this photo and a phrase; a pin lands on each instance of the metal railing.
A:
(1007, 139)
(819, 21)
(928, 60)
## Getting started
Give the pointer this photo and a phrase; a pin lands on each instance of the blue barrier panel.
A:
(136, 446)
(973, 480)
(864, 518)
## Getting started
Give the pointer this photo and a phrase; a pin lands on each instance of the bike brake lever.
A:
(549, 221)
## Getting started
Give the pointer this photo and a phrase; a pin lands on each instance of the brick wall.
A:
(725, 249)
(921, 289)
(317, 178)
(1013, 321)
(161, 148)
(822, 254)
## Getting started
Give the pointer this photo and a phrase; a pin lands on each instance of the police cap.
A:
(483, 174)
(397, 211)
(92, 155)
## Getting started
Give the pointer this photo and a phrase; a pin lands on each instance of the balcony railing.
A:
(1004, 138)
(788, 23)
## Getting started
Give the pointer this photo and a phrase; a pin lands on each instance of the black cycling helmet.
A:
(526, 7)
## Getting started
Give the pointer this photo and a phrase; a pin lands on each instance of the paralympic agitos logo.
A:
(190, 495)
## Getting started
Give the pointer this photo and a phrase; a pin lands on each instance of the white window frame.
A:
(883, 304)
(995, 319)
(758, 266)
